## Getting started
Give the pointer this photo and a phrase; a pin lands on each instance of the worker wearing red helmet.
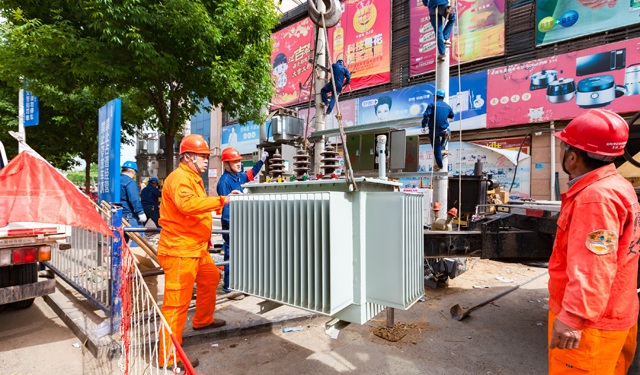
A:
(183, 250)
(593, 269)
(232, 179)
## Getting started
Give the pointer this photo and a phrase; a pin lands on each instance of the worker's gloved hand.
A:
(264, 156)
(563, 336)
(143, 218)
(226, 200)
(424, 130)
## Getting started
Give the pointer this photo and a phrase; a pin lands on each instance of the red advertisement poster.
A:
(363, 40)
(290, 68)
(565, 86)
(480, 35)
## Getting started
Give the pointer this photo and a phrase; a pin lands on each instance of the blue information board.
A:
(109, 152)
(30, 104)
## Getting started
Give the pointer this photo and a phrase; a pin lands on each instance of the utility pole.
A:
(21, 131)
(440, 181)
(319, 121)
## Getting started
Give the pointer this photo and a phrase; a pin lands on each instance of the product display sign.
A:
(109, 152)
(480, 34)
(565, 86)
(499, 163)
(558, 20)
(290, 67)
(243, 138)
(362, 39)
(469, 104)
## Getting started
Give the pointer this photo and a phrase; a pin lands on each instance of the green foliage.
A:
(167, 55)
(78, 177)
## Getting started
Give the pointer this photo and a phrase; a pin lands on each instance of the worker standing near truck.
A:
(183, 250)
(594, 266)
(232, 179)
(150, 201)
(132, 210)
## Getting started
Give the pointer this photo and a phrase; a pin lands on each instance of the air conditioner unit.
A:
(317, 246)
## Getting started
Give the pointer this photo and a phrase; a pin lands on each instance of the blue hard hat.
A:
(340, 61)
(153, 179)
(441, 93)
(130, 165)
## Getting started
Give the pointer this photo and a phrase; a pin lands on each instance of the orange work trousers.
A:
(179, 275)
(600, 352)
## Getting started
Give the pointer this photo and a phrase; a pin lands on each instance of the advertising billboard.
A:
(468, 103)
(498, 162)
(558, 20)
(243, 138)
(348, 111)
(480, 34)
(565, 86)
(362, 39)
(290, 67)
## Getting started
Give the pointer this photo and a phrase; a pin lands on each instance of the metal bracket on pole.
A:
(334, 326)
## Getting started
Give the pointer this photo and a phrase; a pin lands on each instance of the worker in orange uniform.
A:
(183, 250)
(594, 266)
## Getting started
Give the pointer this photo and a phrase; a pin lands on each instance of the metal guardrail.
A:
(86, 266)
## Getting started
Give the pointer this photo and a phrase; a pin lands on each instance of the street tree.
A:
(68, 128)
(170, 55)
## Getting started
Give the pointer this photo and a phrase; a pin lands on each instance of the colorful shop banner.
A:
(468, 103)
(362, 39)
(290, 63)
(348, 110)
(565, 86)
(507, 144)
(558, 20)
(243, 138)
(481, 34)
(499, 163)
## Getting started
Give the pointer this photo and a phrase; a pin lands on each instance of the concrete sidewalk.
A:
(248, 316)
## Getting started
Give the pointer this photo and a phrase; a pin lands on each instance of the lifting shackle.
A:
(332, 14)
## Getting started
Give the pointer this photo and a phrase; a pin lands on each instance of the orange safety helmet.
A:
(194, 143)
(601, 133)
(231, 154)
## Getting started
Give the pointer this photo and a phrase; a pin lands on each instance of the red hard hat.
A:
(598, 132)
(453, 212)
(194, 143)
(231, 154)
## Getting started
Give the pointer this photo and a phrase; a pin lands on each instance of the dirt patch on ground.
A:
(395, 333)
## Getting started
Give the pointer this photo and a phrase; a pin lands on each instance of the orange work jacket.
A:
(594, 266)
(185, 214)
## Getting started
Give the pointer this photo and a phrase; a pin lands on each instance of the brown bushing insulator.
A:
(276, 166)
(330, 162)
(301, 164)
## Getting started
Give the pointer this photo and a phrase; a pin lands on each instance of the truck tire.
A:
(5, 280)
(24, 274)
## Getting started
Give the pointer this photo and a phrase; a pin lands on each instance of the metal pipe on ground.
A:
(458, 313)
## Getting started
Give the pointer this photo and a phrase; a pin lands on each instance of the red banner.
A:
(363, 40)
(291, 69)
(480, 35)
(565, 86)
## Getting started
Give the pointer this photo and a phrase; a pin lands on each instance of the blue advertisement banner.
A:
(243, 138)
(467, 97)
(31, 113)
(109, 152)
